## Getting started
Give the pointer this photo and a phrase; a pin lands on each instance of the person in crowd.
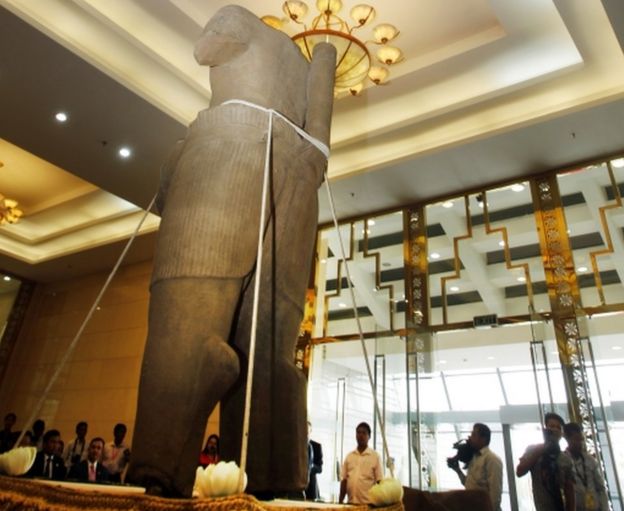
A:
(7, 435)
(27, 440)
(116, 454)
(485, 469)
(315, 466)
(91, 469)
(38, 428)
(60, 448)
(361, 469)
(76, 450)
(210, 453)
(551, 470)
(48, 464)
(589, 485)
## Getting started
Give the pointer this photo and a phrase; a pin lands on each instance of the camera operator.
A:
(551, 470)
(484, 468)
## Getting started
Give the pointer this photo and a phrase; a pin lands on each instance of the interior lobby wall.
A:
(99, 383)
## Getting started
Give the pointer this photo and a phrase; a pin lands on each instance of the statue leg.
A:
(277, 453)
(187, 366)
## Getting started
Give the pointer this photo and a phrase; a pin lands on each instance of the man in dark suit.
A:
(315, 466)
(48, 464)
(91, 470)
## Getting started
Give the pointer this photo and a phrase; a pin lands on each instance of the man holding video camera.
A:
(484, 468)
(551, 470)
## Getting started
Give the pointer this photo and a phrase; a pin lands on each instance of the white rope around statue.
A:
(256, 301)
(74, 342)
(382, 429)
(254, 322)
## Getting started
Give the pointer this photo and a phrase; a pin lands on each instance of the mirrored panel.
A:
(594, 215)
(484, 256)
(373, 248)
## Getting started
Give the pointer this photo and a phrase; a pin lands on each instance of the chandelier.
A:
(9, 213)
(354, 64)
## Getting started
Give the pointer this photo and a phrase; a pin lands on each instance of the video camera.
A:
(465, 452)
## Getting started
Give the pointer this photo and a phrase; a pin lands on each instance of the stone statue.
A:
(204, 267)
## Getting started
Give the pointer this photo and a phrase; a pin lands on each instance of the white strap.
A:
(304, 134)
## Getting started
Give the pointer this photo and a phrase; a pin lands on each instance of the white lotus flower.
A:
(18, 461)
(388, 491)
(218, 480)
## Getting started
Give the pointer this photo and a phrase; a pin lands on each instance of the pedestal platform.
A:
(32, 495)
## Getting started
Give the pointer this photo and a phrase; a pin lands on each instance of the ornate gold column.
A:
(418, 336)
(563, 293)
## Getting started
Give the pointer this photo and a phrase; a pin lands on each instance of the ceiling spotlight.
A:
(61, 116)
(434, 255)
(517, 187)
(7, 278)
(491, 358)
(125, 152)
(616, 348)
(521, 279)
(441, 361)
(581, 269)
(343, 305)
(447, 204)
(454, 289)
(501, 243)
(370, 222)
(618, 163)
(323, 261)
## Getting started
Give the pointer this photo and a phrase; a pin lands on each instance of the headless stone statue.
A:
(204, 267)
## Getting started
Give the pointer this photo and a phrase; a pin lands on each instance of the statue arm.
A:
(320, 92)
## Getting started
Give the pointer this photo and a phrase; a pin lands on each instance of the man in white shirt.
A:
(76, 450)
(116, 454)
(361, 469)
(485, 469)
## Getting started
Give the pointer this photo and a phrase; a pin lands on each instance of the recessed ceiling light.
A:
(370, 222)
(447, 204)
(618, 163)
(517, 187)
(61, 116)
(521, 279)
(501, 243)
(616, 348)
(441, 361)
(490, 358)
(323, 261)
(454, 288)
(7, 278)
(434, 255)
(343, 305)
(125, 152)
(581, 269)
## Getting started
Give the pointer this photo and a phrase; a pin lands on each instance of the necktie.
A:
(47, 471)
(92, 472)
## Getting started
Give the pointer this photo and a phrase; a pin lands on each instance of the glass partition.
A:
(500, 253)
(374, 251)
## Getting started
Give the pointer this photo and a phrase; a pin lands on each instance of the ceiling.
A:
(489, 91)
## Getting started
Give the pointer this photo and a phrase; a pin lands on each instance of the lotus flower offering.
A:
(18, 461)
(387, 491)
(218, 480)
